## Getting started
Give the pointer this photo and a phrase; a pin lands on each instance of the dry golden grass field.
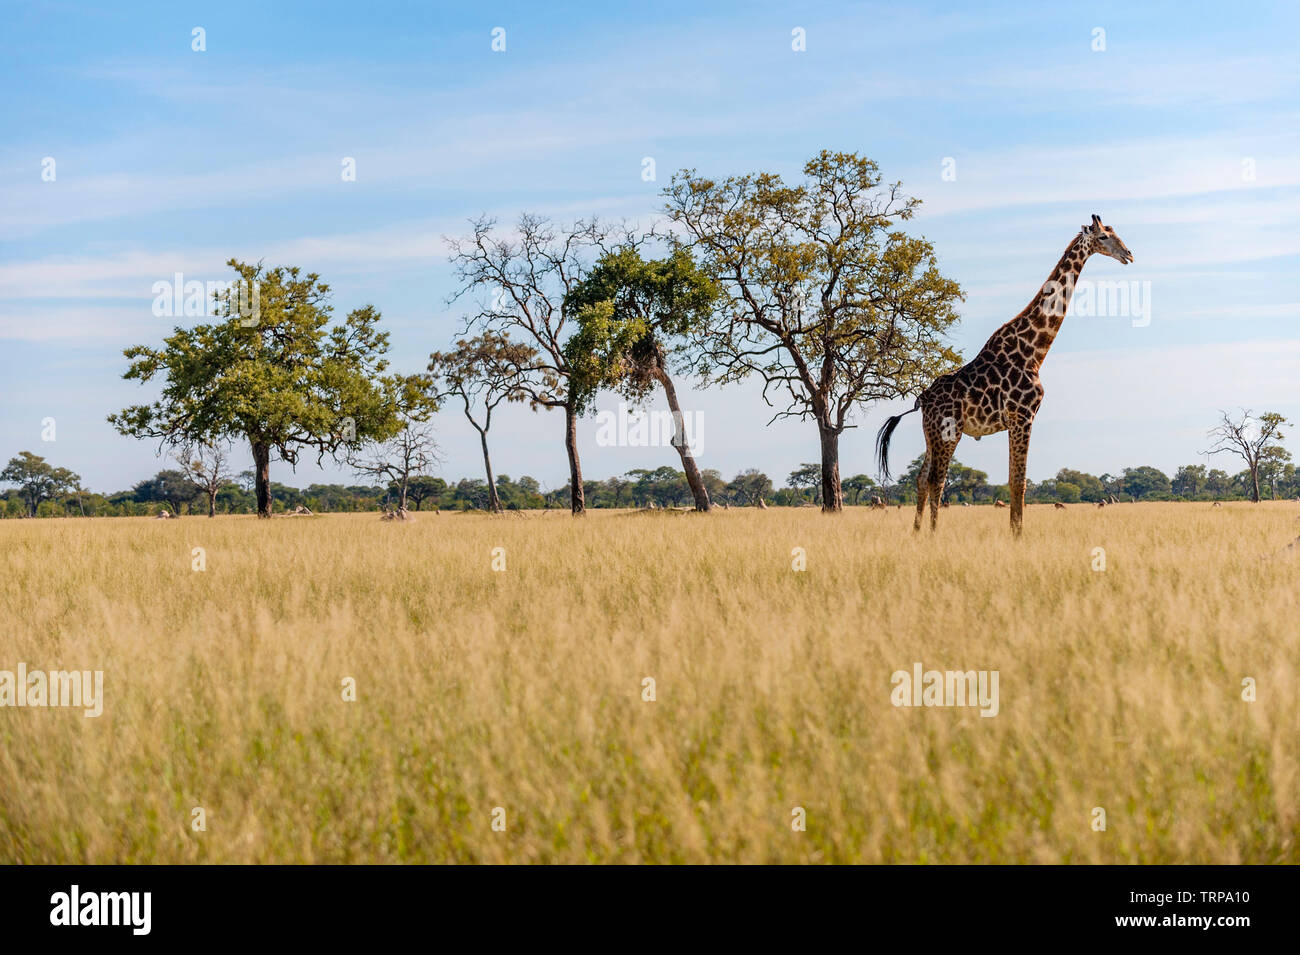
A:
(522, 688)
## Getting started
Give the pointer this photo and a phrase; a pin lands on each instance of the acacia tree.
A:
(751, 486)
(808, 475)
(171, 487)
(207, 466)
(1250, 439)
(38, 480)
(826, 299)
(483, 372)
(631, 315)
(858, 484)
(282, 379)
(524, 278)
(422, 488)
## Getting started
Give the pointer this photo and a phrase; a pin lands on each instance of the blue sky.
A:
(1183, 134)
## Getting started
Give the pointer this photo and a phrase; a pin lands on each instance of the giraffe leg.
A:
(922, 489)
(939, 462)
(1018, 441)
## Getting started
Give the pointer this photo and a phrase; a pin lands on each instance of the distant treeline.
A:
(661, 487)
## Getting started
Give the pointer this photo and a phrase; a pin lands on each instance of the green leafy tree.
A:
(1189, 481)
(824, 296)
(713, 482)
(1068, 493)
(857, 485)
(170, 487)
(751, 486)
(807, 476)
(423, 488)
(1090, 487)
(618, 489)
(470, 494)
(1146, 482)
(664, 486)
(38, 480)
(1287, 485)
(966, 483)
(961, 483)
(631, 316)
(1218, 482)
(520, 494)
(282, 378)
(1272, 467)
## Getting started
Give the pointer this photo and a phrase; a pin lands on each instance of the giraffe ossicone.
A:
(999, 389)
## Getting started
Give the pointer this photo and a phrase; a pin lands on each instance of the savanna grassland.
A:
(522, 688)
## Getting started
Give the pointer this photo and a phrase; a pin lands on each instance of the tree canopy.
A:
(283, 379)
(825, 297)
(37, 480)
(632, 315)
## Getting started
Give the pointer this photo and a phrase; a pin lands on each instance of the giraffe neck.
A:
(1027, 337)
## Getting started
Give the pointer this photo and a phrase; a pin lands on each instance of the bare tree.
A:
(1250, 439)
(408, 454)
(206, 464)
(525, 278)
(483, 372)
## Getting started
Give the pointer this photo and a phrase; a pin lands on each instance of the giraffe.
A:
(999, 390)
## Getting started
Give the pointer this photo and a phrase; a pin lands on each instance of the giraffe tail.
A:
(882, 441)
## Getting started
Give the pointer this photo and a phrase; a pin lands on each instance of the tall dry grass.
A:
(522, 689)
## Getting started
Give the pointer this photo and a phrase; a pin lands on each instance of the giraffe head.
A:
(1102, 238)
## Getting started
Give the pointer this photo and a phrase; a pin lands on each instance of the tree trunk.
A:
(577, 500)
(832, 495)
(1254, 483)
(402, 505)
(262, 477)
(494, 502)
(693, 478)
(212, 502)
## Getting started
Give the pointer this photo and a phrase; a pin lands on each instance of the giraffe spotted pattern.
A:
(999, 390)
